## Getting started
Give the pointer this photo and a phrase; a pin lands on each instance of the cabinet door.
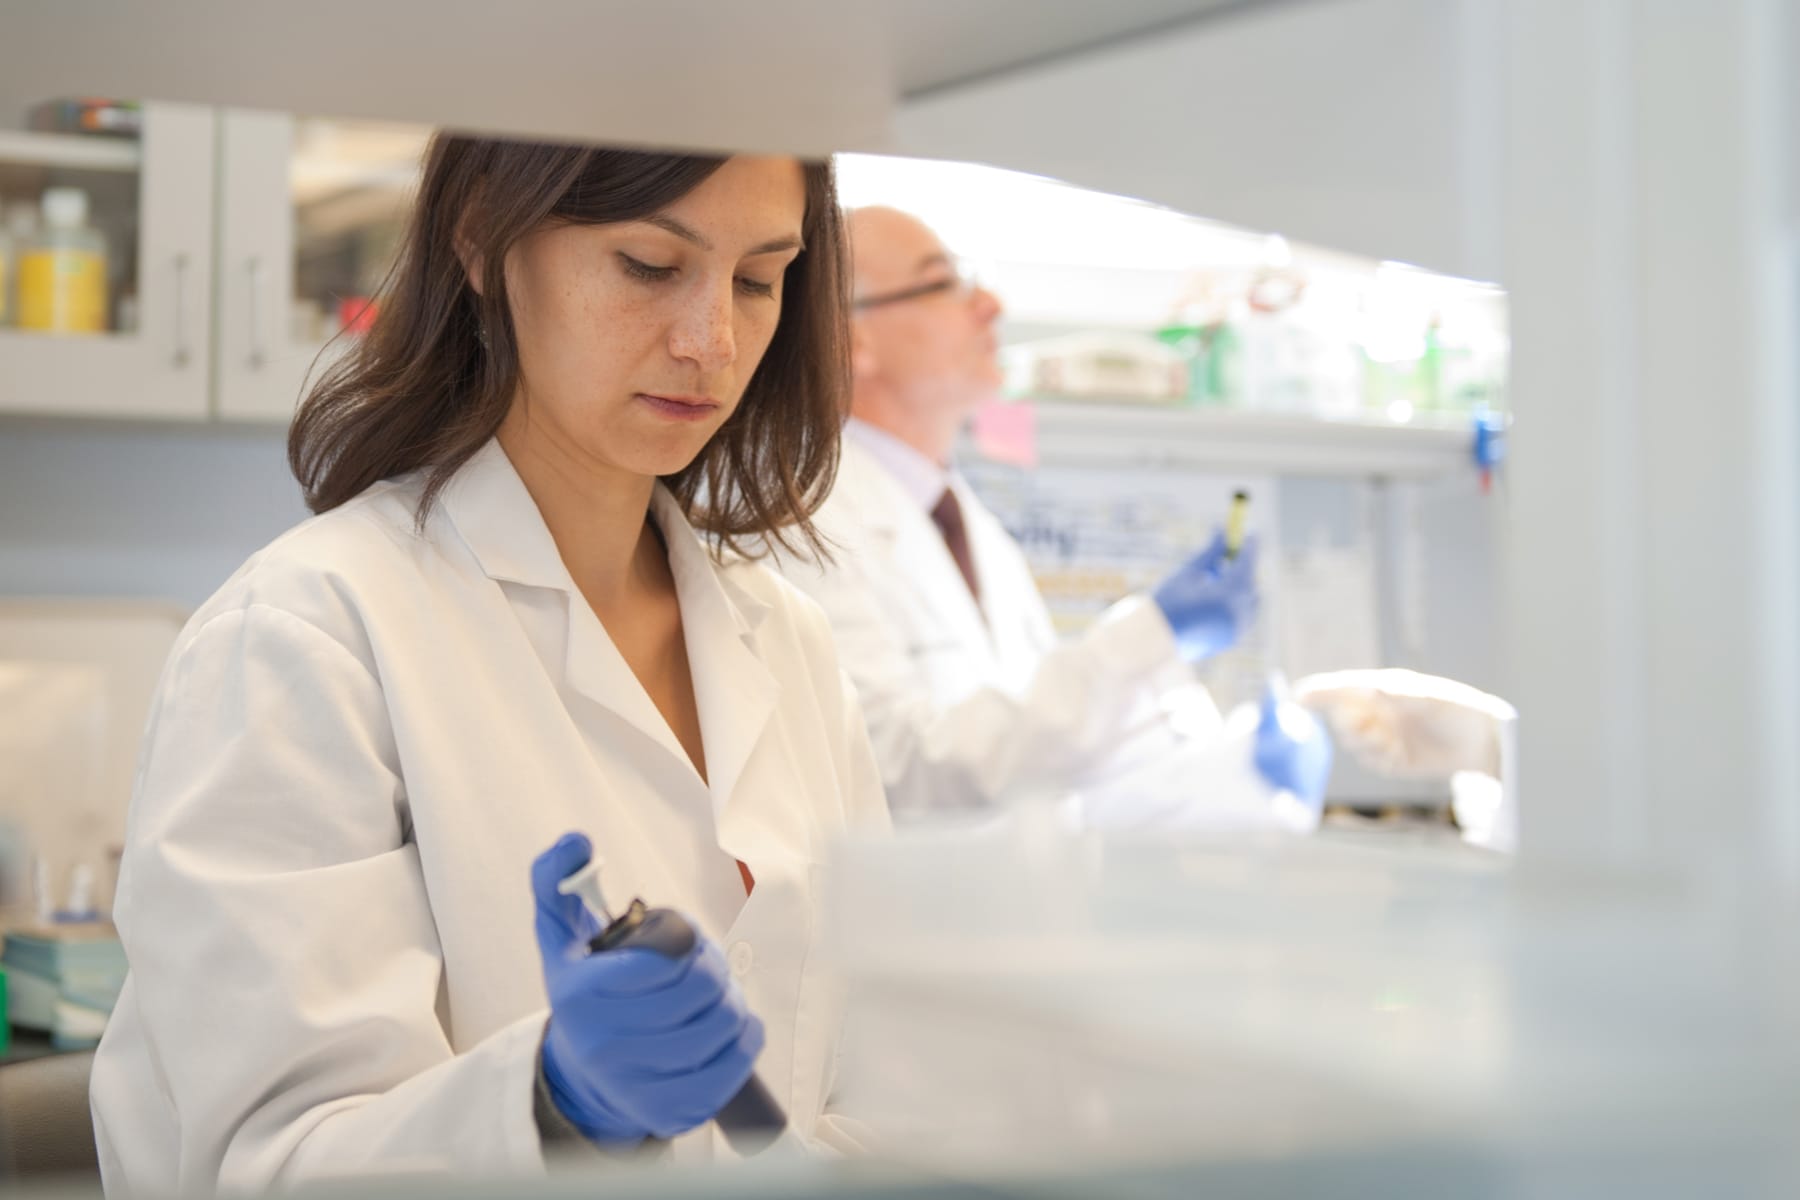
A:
(151, 198)
(311, 215)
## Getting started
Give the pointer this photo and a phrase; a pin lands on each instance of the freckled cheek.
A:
(618, 333)
(753, 340)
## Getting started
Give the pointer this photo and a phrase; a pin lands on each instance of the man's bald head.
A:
(890, 249)
(924, 350)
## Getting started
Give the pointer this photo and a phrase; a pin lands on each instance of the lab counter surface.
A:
(1043, 1013)
(1694, 1162)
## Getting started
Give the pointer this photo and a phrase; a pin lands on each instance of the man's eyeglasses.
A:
(962, 285)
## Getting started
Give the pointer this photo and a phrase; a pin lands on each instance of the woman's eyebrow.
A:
(671, 225)
(776, 246)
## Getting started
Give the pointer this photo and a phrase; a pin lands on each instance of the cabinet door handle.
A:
(259, 356)
(183, 353)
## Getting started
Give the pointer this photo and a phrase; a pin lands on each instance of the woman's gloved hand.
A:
(1293, 751)
(639, 1045)
(1211, 599)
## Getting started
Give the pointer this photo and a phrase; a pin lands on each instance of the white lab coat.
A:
(968, 704)
(358, 747)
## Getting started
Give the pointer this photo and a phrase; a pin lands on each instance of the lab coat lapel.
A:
(595, 668)
(915, 542)
(1002, 607)
(944, 589)
(734, 690)
(497, 519)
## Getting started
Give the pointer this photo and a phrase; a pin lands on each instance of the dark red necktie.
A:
(947, 516)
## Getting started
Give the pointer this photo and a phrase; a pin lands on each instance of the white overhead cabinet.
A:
(139, 346)
(311, 213)
(235, 248)
(258, 361)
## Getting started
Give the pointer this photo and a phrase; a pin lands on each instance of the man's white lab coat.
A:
(969, 704)
(359, 745)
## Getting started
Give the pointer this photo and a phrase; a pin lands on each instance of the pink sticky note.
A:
(1007, 433)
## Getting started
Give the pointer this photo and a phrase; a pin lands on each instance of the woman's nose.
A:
(704, 333)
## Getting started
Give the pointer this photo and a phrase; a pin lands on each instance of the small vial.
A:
(1236, 520)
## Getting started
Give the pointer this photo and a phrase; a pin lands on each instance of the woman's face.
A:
(636, 339)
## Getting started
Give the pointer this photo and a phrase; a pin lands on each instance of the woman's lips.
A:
(680, 408)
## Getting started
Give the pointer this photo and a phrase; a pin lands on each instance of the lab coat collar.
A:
(500, 523)
(734, 691)
(698, 576)
(907, 478)
(921, 479)
(912, 535)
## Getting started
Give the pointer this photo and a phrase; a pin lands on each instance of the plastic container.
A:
(19, 230)
(1223, 342)
(9, 258)
(62, 277)
(1189, 341)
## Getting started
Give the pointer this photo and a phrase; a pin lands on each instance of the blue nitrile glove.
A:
(1293, 751)
(639, 1045)
(1210, 600)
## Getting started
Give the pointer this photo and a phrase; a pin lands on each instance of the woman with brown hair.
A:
(518, 612)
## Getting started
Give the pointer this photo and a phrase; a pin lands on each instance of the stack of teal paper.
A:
(64, 980)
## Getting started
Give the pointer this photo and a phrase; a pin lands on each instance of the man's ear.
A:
(865, 363)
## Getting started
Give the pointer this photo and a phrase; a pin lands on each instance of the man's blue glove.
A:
(639, 1045)
(1211, 599)
(1293, 751)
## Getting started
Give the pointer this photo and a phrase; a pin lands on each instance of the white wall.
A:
(1651, 262)
(103, 509)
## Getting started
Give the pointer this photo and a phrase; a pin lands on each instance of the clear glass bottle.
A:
(9, 266)
(18, 228)
(62, 276)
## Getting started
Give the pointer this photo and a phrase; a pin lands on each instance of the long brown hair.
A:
(431, 380)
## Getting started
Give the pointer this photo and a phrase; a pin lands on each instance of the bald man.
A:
(970, 698)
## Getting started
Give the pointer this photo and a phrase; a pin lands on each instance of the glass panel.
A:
(70, 174)
(352, 183)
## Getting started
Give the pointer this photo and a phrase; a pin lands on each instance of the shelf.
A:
(1147, 435)
(71, 150)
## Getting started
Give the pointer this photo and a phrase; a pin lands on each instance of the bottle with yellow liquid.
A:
(62, 274)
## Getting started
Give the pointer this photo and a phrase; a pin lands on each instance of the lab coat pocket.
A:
(822, 1001)
(770, 952)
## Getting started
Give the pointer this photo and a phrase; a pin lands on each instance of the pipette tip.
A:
(586, 884)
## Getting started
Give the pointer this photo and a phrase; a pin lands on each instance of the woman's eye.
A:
(754, 287)
(643, 270)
